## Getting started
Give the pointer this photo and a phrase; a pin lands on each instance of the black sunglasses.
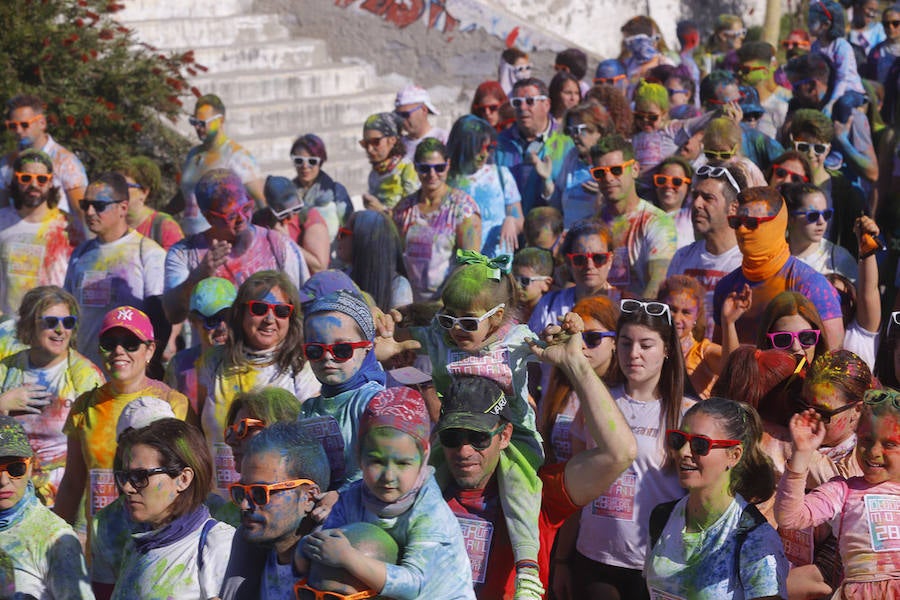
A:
(592, 339)
(16, 467)
(825, 414)
(747, 221)
(213, 321)
(794, 177)
(341, 352)
(52, 322)
(129, 343)
(258, 308)
(425, 168)
(98, 206)
(479, 440)
(140, 478)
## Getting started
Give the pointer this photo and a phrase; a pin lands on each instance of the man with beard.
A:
(34, 246)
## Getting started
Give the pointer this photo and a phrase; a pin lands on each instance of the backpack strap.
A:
(204, 533)
(658, 519)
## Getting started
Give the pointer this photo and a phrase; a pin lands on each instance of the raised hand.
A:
(807, 431)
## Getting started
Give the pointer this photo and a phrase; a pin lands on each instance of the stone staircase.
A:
(275, 86)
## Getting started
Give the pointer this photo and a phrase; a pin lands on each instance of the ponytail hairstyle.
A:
(753, 477)
(482, 282)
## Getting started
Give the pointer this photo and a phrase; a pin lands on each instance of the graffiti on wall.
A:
(403, 13)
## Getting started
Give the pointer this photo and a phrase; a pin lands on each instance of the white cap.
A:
(142, 411)
(413, 94)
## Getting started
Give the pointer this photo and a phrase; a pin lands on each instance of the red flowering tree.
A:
(107, 95)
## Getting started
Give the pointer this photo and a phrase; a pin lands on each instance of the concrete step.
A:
(146, 10)
(215, 31)
(250, 87)
(341, 143)
(291, 54)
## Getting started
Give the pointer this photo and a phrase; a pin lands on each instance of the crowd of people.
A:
(629, 336)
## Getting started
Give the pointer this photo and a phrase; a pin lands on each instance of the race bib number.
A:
(477, 535)
(883, 516)
(798, 545)
(96, 289)
(494, 365)
(103, 489)
(224, 461)
(618, 501)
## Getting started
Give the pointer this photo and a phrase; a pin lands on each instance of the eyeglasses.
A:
(340, 352)
(195, 122)
(654, 309)
(578, 130)
(321, 595)
(140, 478)
(792, 44)
(426, 168)
(804, 147)
(751, 223)
(700, 444)
(826, 414)
(372, 142)
(887, 24)
(526, 281)
(479, 440)
(529, 100)
(23, 125)
(781, 172)
(747, 69)
(344, 232)
(97, 205)
(609, 80)
(242, 428)
(306, 161)
(580, 259)
(281, 310)
(592, 339)
(16, 468)
(405, 114)
(68, 322)
(670, 181)
(720, 154)
(615, 170)
(783, 340)
(258, 494)
(488, 108)
(128, 343)
(245, 211)
(876, 397)
(646, 116)
(469, 324)
(26, 178)
(212, 322)
(812, 216)
(707, 171)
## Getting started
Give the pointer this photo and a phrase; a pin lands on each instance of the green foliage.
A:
(106, 94)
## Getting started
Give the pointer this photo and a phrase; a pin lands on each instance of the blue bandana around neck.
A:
(642, 48)
(13, 515)
(178, 529)
(369, 370)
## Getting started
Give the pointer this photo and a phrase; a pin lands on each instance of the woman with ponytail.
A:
(714, 542)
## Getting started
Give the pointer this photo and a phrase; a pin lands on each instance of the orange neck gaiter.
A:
(764, 249)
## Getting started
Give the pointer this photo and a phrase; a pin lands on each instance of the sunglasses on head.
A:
(259, 308)
(529, 100)
(578, 130)
(479, 440)
(654, 309)
(592, 339)
(23, 125)
(826, 414)
(670, 181)
(876, 397)
(707, 171)
(700, 444)
(306, 161)
(783, 340)
(244, 211)
(128, 343)
(244, 427)
(488, 108)
(16, 468)
(615, 170)
(372, 142)
(526, 281)
(195, 122)
(340, 352)
(783, 173)
(26, 178)
(469, 324)
(68, 322)
(258, 494)
(580, 259)
(751, 223)
(646, 116)
(426, 168)
(140, 478)
(812, 216)
(97, 205)
(303, 586)
(805, 147)
(608, 80)
(405, 114)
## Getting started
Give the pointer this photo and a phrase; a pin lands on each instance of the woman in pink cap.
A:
(126, 346)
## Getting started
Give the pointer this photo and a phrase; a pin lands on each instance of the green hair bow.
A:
(500, 265)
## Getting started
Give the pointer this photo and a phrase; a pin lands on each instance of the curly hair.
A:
(616, 104)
